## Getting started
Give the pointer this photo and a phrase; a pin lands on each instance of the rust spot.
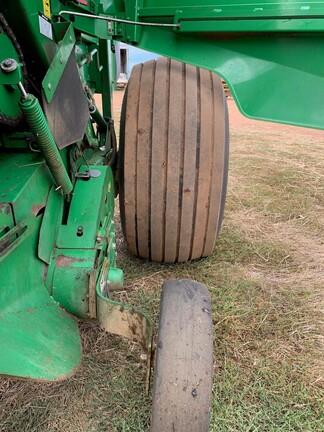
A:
(187, 190)
(5, 209)
(133, 329)
(36, 209)
(64, 261)
(45, 271)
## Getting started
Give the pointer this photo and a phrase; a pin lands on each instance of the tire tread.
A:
(175, 146)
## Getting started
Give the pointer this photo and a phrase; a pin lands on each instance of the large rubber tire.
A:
(182, 386)
(173, 161)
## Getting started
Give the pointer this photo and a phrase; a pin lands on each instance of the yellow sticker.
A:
(47, 8)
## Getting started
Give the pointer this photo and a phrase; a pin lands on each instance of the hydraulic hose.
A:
(37, 122)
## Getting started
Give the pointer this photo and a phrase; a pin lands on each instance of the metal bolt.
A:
(22, 90)
(8, 65)
(94, 173)
(110, 27)
(80, 231)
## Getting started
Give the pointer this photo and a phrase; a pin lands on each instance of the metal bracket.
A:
(10, 73)
(119, 318)
(56, 69)
(123, 320)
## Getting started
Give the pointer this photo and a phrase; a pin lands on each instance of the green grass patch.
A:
(283, 190)
(267, 398)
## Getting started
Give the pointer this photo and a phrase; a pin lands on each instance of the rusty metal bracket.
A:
(124, 320)
(120, 318)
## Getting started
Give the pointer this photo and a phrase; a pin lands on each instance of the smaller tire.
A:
(182, 386)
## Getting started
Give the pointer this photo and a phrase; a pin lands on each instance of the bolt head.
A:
(79, 232)
(8, 65)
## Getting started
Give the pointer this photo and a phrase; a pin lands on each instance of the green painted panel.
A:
(87, 210)
(71, 279)
(233, 8)
(41, 343)
(85, 242)
(269, 52)
(39, 340)
(25, 183)
(51, 220)
(255, 26)
(271, 77)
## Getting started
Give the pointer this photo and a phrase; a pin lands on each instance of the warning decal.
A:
(47, 8)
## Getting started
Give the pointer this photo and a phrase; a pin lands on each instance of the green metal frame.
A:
(268, 52)
(57, 250)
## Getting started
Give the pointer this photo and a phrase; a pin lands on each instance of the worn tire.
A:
(173, 161)
(182, 386)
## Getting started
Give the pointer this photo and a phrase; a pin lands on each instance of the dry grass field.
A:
(266, 278)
